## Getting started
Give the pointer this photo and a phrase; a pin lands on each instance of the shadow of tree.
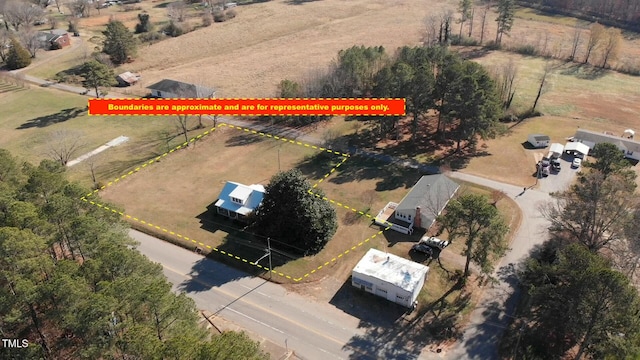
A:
(497, 314)
(241, 243)
(244, 139)
(61, 116)
(359, 168)
(584, 72)
(208, 273)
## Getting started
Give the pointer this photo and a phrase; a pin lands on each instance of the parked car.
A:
(434, 242)
(576, 162)
(423, 248)
(545, 162)
(555, 165)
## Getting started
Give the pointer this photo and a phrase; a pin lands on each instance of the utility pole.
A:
(269, 243)
(279, 159)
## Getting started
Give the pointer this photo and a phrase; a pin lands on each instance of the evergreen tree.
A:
(473, 218)
(576, 301)
(293, 216)
(119, 43)
(71, 283)
(96, 75)
(506, 14)
(18, 57)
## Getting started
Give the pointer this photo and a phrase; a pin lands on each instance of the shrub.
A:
(463, 41)
(492, 45)
(151, 37)
(173, 30)
(144, 25)
(18, 57)
(73, 26)
(528, 50)
(230, 14)
(207, 19)
(219, 16)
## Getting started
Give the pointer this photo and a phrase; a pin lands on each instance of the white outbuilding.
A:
(538, 140)
(389, 276)
(555, 151)
(579, 149)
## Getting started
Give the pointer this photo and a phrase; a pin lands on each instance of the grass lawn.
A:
(525, 13)
(576, 97)
(48, 63)
(32, 117)
(175, 195)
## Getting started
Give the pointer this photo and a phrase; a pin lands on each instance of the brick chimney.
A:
(417, 221)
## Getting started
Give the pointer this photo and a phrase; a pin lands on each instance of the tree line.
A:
(431, 79)
(74, 287)
(620, 13)
(579, 294)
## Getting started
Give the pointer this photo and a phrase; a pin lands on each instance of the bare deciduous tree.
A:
(19, 13)
(543, 85)
(497, 195)
(595, 212)
(595, 38)
(29, 39)
(575, 42)
(183, 127)
(62, 145)
(79, 8)
(5, 40)
(484, 13)
(431, 31)
(177, 11)
(505, 76)
(611, 45)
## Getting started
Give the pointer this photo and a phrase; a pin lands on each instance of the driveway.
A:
(497, 305)
(559, 181)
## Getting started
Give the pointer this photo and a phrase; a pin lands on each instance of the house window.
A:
(159, 93)
(237, 201)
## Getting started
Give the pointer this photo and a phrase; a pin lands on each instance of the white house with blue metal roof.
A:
(236, 200)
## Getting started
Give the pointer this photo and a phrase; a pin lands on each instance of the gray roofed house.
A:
(629, 147)
(168, 88)
(420, 207)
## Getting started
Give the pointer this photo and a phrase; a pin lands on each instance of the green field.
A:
(33, 118)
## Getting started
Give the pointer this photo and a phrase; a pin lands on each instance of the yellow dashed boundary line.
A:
(280, 138)
(196, 242)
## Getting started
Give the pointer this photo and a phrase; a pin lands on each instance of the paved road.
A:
(312, 330)
(322, 337)
(493, 313)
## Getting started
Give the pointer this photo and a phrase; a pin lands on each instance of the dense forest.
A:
(622, 13)
(73, 286)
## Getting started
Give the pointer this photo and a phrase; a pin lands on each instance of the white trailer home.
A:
(389, 276)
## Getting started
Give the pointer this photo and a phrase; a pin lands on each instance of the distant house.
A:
(420, 207)
(54, 39)
(625, 143)
(176, 89)
(389, 276)
(236, 201)
(127, 79)
(538, 141)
